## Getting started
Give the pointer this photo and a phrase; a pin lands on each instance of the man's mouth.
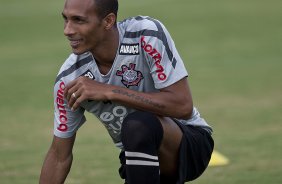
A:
(75, 42)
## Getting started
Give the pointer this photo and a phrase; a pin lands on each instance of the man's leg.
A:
(151, 148)
(169, 150)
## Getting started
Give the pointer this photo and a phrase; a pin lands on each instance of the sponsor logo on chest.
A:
(129, 49)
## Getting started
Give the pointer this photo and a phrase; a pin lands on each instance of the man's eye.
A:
(64, 17)
(78, 20)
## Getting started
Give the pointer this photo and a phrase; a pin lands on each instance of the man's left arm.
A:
(173, 101)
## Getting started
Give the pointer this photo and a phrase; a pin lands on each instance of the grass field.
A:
(232, 49)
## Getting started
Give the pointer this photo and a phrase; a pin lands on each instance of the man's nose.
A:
(68, 29)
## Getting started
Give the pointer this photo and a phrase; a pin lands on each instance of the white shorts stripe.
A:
(140, 162)
(142, 155)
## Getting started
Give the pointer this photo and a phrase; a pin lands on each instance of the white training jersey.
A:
(146, 61)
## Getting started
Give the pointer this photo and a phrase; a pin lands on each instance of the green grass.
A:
(232, 50)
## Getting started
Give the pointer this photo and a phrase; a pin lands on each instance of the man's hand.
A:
(82, 89)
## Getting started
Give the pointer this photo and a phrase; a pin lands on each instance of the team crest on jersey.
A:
(129, 49)
(130, 76)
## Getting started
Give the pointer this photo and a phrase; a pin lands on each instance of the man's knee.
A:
(141, 130)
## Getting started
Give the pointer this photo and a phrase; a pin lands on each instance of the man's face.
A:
(82, 26)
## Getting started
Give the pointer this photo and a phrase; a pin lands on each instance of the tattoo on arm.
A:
(138, 98)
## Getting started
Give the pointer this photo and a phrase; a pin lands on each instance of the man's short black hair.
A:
(104, 7)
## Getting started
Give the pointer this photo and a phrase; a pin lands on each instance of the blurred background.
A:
(232, 50)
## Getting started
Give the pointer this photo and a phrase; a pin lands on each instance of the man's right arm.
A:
(58, 161)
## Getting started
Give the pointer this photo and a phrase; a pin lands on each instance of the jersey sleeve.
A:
(165, 63)
(66, 121)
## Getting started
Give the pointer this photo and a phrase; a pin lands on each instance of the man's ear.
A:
(109, 21)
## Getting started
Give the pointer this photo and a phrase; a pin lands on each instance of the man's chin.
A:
(78, 52)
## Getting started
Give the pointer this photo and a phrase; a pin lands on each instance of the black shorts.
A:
(194, 153)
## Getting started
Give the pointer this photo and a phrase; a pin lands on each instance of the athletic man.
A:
(130, 75)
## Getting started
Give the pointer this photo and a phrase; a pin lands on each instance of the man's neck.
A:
(106, 52)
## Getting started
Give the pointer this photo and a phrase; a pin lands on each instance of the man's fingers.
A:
(72, 98)
(75, 98)
(72, 87)
(74, 92)
(71, 92)
(68, 87)
(77, 103)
